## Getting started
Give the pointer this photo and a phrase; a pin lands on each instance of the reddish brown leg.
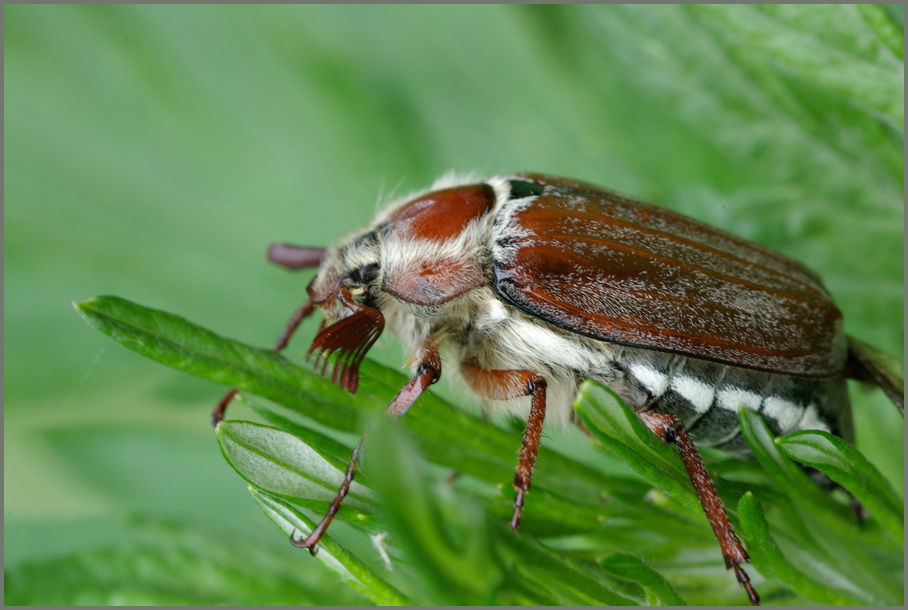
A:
(530, 446)
(502, 385)
(427, 373)
(299, 315)
(670, 430)
(311, 541)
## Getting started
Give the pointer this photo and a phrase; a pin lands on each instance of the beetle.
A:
(531, 284)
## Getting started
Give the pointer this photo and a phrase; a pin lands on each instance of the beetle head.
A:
(420, 252)
(345, 289)
(354, 265)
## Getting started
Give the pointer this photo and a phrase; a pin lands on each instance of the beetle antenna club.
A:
(531, 284)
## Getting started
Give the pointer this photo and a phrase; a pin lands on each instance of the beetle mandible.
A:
(531, 284)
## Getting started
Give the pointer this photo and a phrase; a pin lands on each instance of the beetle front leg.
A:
(502, 385)
(670, 430)
(428, 371)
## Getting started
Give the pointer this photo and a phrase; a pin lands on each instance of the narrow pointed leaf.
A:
(841, 462)
(826, 526)
(449, 549)
(633, 569)
(768, 558)
(351, 570)
(448, 538)
(557, 576)
(281, 463)
(178, 343)
(785, 473)
(612, 422)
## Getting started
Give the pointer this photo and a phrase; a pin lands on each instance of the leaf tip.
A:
(87, 309)
(81, 306)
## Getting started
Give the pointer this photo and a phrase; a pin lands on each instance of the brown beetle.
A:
(531, 284)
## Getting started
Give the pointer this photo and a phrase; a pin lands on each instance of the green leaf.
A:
(183, 565)
(334, 450)
(279, 462)
(348, 568)
(176, 342)
(448, 546)
(840, 461)
(822, 525)
(766, 556)
(616, 425)
(785, 473)
(555, 576)
(843, 67)
(658, 590)
(611, 421)
(308, 473)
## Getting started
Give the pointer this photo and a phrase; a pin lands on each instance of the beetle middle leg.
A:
(670, 430)
(428, 371)
(505, 384)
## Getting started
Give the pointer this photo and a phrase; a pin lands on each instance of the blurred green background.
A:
(153, 152)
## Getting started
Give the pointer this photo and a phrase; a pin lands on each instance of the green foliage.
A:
(175, 566)
(840, 554)
(153, 151)
(448, 537)
(845, 465)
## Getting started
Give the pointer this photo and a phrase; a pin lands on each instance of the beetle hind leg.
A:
(670, 430)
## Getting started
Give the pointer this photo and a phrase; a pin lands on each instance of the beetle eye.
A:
(365, 274)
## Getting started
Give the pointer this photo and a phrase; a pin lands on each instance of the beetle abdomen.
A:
(706, 397)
